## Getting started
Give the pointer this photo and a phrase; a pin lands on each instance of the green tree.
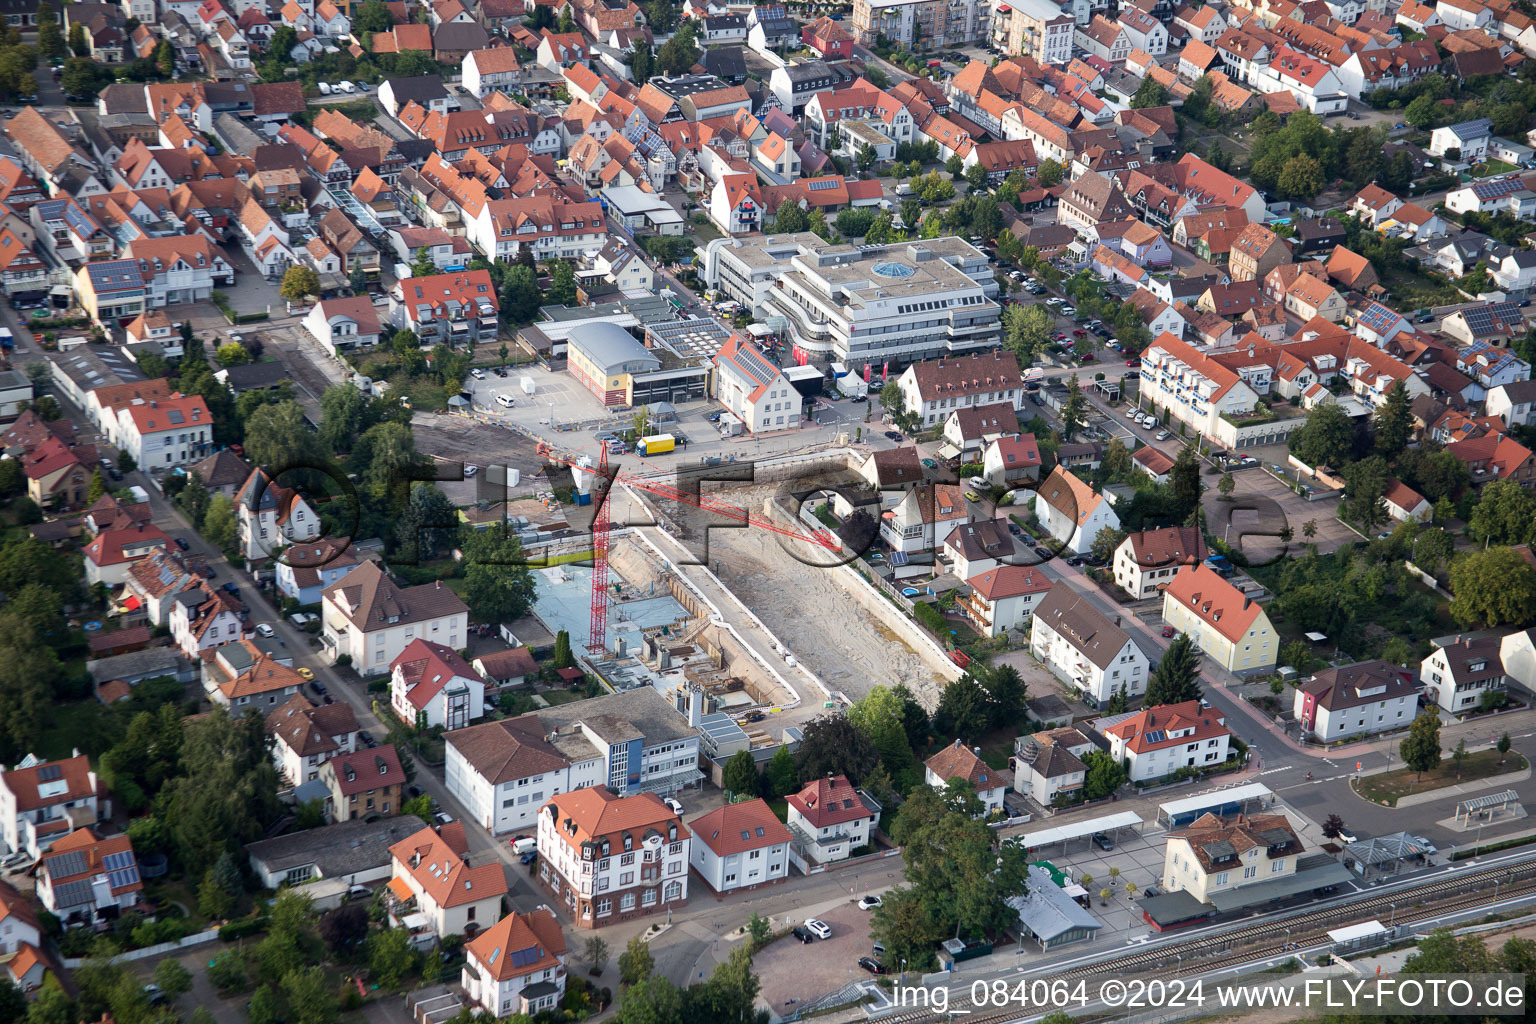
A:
(1503, 747)
(595, 952)
(789, 218)
(661, 15)
(1433, 548)
(1420, 749)
(174, 979)
(498, 584)
(97, 488)
(964, 709)
(651, 1000)
(299, 282)
(1327, 438)
(976, 176)
(219, 524)
(1225, 486)
(265, 1007)
(781, 773)
(1505, 514)
(1105, 542)
(1007, 693)
(562, 283)
(520, 297)
(1027, 328)
(1422, 113)
(232, 354)
(563, 658)
(1366, 482)
(642, 62)
(372, 16)
(77, 41)
(1104, 776)
(1333, 826)
(636, 963)
(1149, 94)
(1301, 177)
(278, 437)
(1050, 173)
(1495, 587)
(13, 1004)
(1184, 482)
(1074, 412)
(891, 398)
(50, 39)
(1175, 679)
(739, 777)
(830, 745)
(1394, 421)
(678, 54)
(390, 956)
(226, 972)
(80, 77)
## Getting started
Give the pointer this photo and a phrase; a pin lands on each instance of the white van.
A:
(525, 845)
(325, 88)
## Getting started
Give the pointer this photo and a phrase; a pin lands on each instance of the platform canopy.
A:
(1331, 873)
(1078, 829)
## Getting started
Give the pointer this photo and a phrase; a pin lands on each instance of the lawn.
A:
(1491, 168)
(554, 698)
(780, 808)
(1387, 787)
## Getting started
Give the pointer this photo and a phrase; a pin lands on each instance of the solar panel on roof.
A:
(759, 370)
(124, 878)
(524, 957)
(114, 861)
(823, 184)
(73, 894)
(66, 864)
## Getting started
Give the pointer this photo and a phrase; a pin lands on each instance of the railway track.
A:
(1265, 939)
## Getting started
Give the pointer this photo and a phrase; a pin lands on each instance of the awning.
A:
(947, 450)
(401, 889)
(1291, 885)
(132, 603)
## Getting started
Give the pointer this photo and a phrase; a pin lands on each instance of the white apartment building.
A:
(829, 819)
(367, 618)
(1456, 676)
(879, 305)
(957, 761)
(1072, 512)
(41, 801)
(517, 965)
(754, 390)
(305, 736)
(932, 389)
(1084, 649)
(432, 686)
(1048, 764)
(1192, 386)
(1356, 700)
(933, 22)
(270, 518)
(164, 433)
(740, 846)
(1034, 28)
(1149, 559)
(612, 858)
(1003, 597)
(1227, 625)
(1158, 741)
(504, 771)
(430, 876)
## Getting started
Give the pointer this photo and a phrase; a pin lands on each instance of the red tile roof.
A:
(736, 828)
(829, 802)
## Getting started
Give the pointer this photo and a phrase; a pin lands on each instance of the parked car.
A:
(1151, 890)
(529, 858)
(366, 738)
(306, 674)
(1346, 837)
(674, 806)
(1429, 847)
(477, 373)
(869, 902)
(894, 436)
(319, 687)
(442, 818)
(1043, 552)
(265, 631)
(802, 934)
(820, 929)
(871, 965)
(505, 401)
(1168, 631)
(1163, 435)
(972, 496)
(1103, 841)
(413, 791)
(181, 542)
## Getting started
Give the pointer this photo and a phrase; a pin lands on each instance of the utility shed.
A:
(1049, 915)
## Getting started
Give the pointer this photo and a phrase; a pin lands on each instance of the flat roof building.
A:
(862, 304)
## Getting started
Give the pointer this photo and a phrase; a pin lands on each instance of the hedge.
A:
(236, 930)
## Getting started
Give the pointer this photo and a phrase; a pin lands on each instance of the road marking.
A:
(1282, 768)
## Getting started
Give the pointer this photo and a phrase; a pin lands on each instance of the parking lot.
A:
(1289, 509)
(792, 970)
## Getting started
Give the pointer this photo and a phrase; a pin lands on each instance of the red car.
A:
(1088, 358)
(1133, 363)
(1168, 631)
(1079, 333)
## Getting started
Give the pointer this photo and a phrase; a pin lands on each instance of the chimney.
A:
(695, 707)
(437, 584)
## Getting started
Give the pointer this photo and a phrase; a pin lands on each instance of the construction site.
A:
(727, 586)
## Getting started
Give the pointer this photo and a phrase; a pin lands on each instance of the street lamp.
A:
(1392, 921)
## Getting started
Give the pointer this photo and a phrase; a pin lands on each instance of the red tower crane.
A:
(597, 634)
(598, 629)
